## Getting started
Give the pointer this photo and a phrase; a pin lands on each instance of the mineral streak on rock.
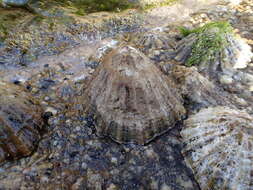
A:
(131, 98)
(20, 122)
(219, 143)
(214, 48)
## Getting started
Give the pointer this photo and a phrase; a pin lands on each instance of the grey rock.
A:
(17, 3)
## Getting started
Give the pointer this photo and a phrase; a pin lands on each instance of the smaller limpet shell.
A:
(219, 148)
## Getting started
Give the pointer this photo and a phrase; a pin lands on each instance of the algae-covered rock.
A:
(214, 48)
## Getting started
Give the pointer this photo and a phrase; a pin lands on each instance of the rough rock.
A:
(219, 148)
(131, 99)
(157, 45)
(198, 92)
(20, 122)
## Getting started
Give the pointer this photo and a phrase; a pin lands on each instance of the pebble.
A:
(84, 166)
(165, 187)
(51, 110)
(44, 179)
(224, 79)
(241, 101)
(112, 187)
(114, 160)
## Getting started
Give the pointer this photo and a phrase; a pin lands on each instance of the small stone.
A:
(55, 143)
(154, 184)
(51, 110)
(47, 98)
(165, 187)
(225, 79)
(44, 179)
(150, 153)
(114, 160)
(84, 166)
(241, 101)
(112, 187)
(156, 52)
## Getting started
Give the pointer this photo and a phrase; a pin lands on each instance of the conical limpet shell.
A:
(131, 98)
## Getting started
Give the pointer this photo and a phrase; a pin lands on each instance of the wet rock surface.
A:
(21, 122)
(100, 163)
(34, 35)
(71, 155)
(131, 99)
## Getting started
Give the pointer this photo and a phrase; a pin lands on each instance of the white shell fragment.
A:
(219, 148)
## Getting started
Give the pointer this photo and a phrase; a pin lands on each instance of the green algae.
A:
(154, 5)
(211, 40)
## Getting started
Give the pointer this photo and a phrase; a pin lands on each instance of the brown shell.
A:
(131, 98)
(20, 122)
